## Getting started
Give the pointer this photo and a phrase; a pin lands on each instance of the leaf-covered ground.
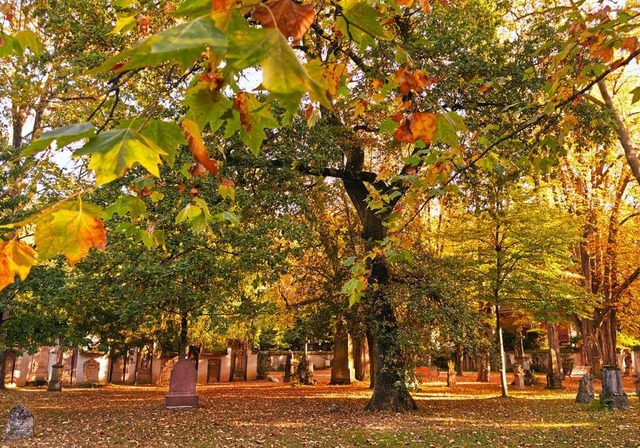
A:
(279, 415)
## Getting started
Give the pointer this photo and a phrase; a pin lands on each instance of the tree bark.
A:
(623, 134)
(459, 359)
(3, 364)
(389, 389)
(554, 372)
(503, 367)
(184, 326)
(607, 339)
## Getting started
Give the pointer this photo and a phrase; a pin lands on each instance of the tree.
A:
(520, 250)
(214, 48)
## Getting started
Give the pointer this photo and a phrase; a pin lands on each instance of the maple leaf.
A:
(15, 259)
(416, 126)
(113, 152)
(196, 145)
(415, 81)
(71, 229)
(291, 18)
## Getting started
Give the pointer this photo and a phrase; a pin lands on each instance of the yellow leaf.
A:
(15, 259)
(70, 230)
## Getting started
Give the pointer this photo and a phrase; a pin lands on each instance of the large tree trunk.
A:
(361, 357)
(389, 390)
(607, 339)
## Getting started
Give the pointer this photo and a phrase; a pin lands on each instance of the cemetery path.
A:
(278, 415)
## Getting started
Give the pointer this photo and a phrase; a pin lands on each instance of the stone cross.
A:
(20, 424)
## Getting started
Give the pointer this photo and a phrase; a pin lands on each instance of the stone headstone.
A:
(518, 376)
(613, 395)
(273, 379)
(554, 375)
(55, 383)
(182, 386)
(585, 389)
(529, 378)
(20, 424)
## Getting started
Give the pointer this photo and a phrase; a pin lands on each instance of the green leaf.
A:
(113, 152)
(206, 107)
(282, 73)
(447, 126)
(182, 44)
(360, 22)
(165, 135)
(193, 8)
(127, 204)
(227, 192)
(28, 39)
(123, 24)
(8, 45)
(156, 197)
(635, 95)
(388, 126)
(63, 136)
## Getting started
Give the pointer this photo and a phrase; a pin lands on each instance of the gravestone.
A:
(518, 376)
(20, 424)
(55, 383)
(529, 378)
(638, 386)
(585, 390)
(90, 369)
(341, 372)
(613, 395)
(182, 386)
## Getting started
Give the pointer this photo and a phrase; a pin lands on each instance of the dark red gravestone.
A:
(182, 386)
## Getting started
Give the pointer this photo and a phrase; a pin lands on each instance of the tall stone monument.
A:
(613, 395)
(182, 386)
(585, 390)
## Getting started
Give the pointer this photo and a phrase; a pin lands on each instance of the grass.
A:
(279, 415)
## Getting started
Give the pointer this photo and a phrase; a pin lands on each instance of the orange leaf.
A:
(426, 6)
(408, 81)
(291, 18)
(416, 126)
(196, 145)
(629, 44)
(406, 3)
(15, 259)
(240, 104)
(605, 54)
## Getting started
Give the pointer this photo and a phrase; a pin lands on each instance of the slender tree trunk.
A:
(184, 326)
(3, 364)
(372, 358)
(554, 372)
(503, 367)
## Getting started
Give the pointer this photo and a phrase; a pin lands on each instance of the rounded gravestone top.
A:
(183, 378)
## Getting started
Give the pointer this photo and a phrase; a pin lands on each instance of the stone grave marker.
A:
(518, 376)
(613, 395)
(20, 424)
(585, 389)
(182, 386)
(451, 374)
